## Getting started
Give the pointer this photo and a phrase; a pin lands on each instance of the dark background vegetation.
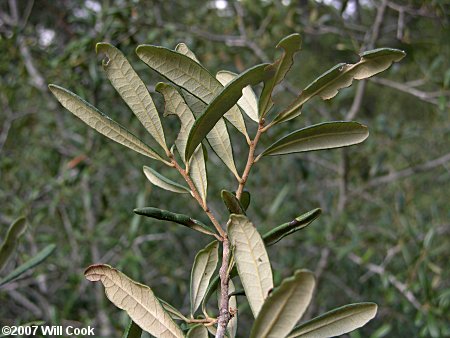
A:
(384, 233)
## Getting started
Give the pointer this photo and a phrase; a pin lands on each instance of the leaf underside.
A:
(290, 45)
(248, 102)
(185, 71)
(341, 76)
(336, 322)
(175, 105)
(252, 261)
(198, 331)
(320, 136)
(136, 299)
(205, 264)
(218, 137)
(285, 306)
(133, 91)
(163, 182)
(222, 103)
(100, 122)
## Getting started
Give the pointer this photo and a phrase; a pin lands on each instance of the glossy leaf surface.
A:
(173, 217)
(248, 101)
(232, 203)
(273, 236)
(222, 103)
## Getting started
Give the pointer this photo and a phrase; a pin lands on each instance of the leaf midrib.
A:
(140, 101)
(144, 307)
(255, 260)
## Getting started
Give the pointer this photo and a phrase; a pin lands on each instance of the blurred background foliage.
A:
(384, 234)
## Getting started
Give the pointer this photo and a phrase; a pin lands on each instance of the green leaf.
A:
(197, 331)
(15, 231)
(248, 101)
(163, 182)
(285, 306)
(252, 261)
(173, 312)
(291, 44)
(165, 215)
(175, 105)
(336, 322)
(37, 259)
(187, 73)
(232, 203)
(136, 299)
(218, 137)
(341, 76)
(212, 287)
(222, 102)
(100, 122)
(245, 199)
(133, 331)
(205, 264)
(320, 136)
(275, 235)
(133, 91)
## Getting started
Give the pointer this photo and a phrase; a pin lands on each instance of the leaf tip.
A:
(100, 47)
(292, 41)
(92, 274)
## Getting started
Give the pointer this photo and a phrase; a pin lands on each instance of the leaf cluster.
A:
(205, 104)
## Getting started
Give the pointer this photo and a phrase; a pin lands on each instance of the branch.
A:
(394, 176)
(429, 97)
(198, 198)
(379, 270)
(224, 311)
(250, 160)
